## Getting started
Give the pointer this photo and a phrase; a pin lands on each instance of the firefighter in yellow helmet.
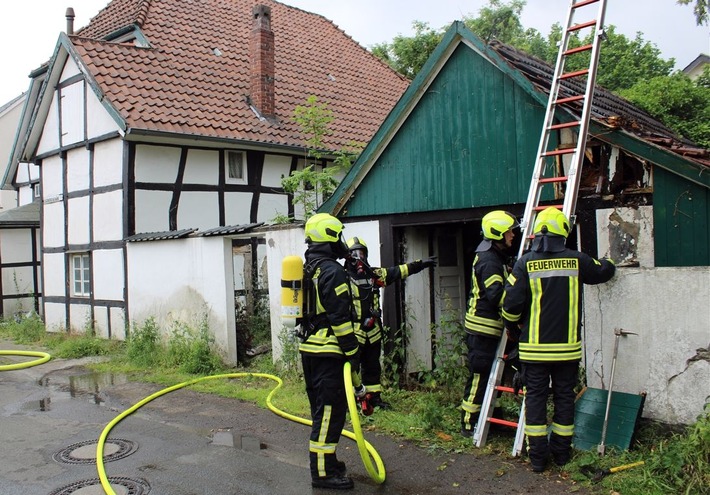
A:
(365, 285)
(542, 311)
(330, 341)
(483, 322)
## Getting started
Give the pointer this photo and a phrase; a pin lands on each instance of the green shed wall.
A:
(681, 216)
(469, 142)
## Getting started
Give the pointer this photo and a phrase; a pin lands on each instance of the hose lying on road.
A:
(365, 448)
(43, 358)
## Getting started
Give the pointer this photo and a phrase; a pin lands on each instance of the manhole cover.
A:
(85, 452)
(122, 486)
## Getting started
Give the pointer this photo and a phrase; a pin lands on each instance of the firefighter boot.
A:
(376, 401)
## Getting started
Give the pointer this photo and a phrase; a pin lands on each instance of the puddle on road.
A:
(87, 386)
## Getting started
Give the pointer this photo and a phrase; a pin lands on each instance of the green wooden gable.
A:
(463, 135)
(470, 141)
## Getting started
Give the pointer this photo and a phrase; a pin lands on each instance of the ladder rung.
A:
(509, 390)
(569, 99)
(576, 73)
(540, 208)
(564, 125)
(582, 48)
(583, 3)
(547, 180)
(565, 151)
(583, 25)
(504, 422)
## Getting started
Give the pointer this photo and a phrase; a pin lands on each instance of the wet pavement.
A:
(189, 443)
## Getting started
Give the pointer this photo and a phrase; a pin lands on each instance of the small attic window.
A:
(236, 164)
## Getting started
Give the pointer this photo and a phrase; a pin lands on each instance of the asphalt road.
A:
(189, 443)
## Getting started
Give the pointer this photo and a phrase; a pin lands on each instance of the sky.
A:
(31, 27)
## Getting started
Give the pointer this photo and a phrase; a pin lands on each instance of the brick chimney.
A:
(262, 61)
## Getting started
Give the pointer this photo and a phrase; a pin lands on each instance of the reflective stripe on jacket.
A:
(332, 291)
(544, 297)
(487, 289)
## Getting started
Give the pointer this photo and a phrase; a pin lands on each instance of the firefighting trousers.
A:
(538, 377)
(481, 355)
(326, 394)
(370, 367)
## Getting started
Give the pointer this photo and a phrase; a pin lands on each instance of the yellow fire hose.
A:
(365, 448)
(43, 358)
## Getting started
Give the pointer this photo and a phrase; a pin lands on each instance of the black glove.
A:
(429, 262)
(513, 333)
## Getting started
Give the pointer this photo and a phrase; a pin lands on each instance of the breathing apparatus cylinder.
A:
(291, 290)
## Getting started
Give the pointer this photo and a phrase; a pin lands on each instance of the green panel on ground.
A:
(624, 414)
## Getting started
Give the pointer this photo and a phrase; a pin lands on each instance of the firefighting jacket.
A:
(487, 289)
(543, 299)
(333, 333)
(366, 295)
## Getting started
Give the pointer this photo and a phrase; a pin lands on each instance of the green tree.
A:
(700, 9)
(407, 54)
(316, 181)
(500, 21)
(678, 102)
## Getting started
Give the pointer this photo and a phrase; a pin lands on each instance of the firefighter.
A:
(365, 285)
(483, 322)
(329, 341)
(542, 309)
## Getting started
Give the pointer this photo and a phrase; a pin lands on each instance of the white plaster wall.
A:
(53, 272)
(108, 216)
(152, 211)
(178, 280)
(17, 280)
(54, 316)
(108, 274)
(53, 225)
(271, 205)
(275, 167)
(156, 163)
(25, 196)
(16, 245)
(237, 208)
(52, 177)
(98, 120)
(202, 167)
(108, 163)
(198, 209)
(80, 318)
(78, 169)
(669, 359)
(50, 132)
(626, 235)
(72, 113)
(118, 323)
(79, 220)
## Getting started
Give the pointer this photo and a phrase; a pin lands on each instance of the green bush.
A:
(26, 330)
(143, 344)
(191, 351)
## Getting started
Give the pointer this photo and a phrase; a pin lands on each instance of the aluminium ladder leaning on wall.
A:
(564, 89)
